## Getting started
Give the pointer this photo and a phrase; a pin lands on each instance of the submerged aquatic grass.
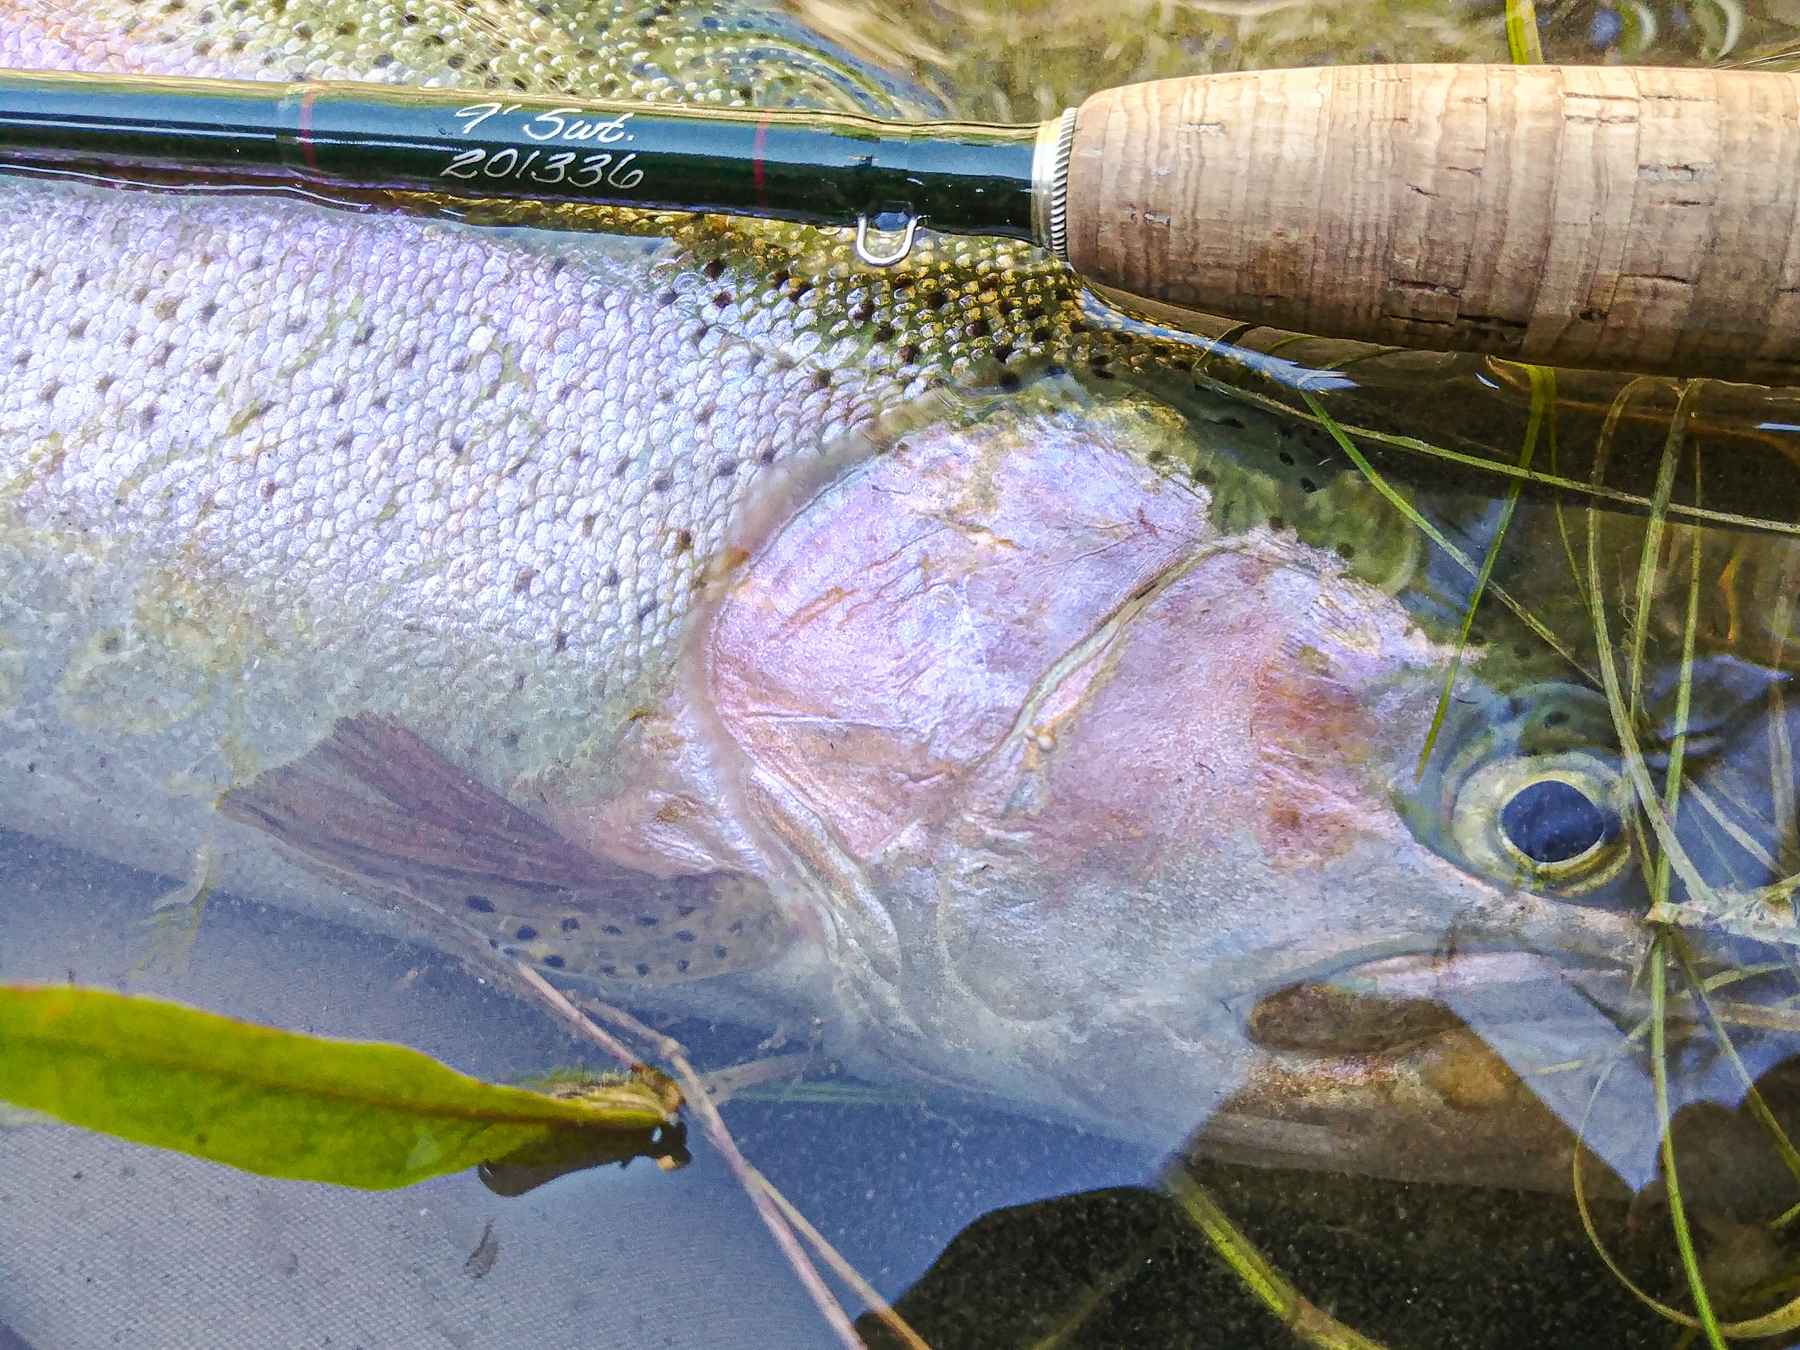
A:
(1542, 392)
(1622, 677)
(1311, 1325)
(1401, 503)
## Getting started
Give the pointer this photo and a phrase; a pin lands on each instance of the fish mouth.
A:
(1495, 1063)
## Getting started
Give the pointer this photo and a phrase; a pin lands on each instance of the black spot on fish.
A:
(612, 930)
(646, 920)
(480, 904)
(522, 581)
(682, 935)
(571, 925)
(682, 965)
(662, 482)
(526, 933)
(714, 270)
(555, 962)
(560, 643)
(510, 740)
(642, 969)
(718, 953)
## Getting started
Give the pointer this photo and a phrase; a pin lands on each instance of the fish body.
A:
(711, 613)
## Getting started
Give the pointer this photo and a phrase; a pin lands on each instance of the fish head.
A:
(1080, 771)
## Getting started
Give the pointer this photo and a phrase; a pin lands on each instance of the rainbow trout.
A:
(910, 652)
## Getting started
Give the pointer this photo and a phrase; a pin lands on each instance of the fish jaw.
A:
(1070, 778)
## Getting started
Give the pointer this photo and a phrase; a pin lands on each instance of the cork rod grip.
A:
(1643, 219)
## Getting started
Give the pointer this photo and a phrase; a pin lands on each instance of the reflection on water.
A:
(1098, 741)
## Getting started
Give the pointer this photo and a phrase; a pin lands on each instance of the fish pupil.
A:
(1552, 822)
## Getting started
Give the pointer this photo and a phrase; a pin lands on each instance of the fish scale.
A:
(508, 458)
(522, 394)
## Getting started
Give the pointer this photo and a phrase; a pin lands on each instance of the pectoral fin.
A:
(380, 811)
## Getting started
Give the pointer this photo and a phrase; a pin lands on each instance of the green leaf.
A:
(352, 1113)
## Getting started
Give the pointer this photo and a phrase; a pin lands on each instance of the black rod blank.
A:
(822, 168)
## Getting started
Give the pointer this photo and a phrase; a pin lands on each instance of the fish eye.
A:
(1552, 823)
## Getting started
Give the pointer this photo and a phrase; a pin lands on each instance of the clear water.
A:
(1068, 1235)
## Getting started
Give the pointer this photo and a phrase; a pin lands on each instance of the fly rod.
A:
(1624, 218)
